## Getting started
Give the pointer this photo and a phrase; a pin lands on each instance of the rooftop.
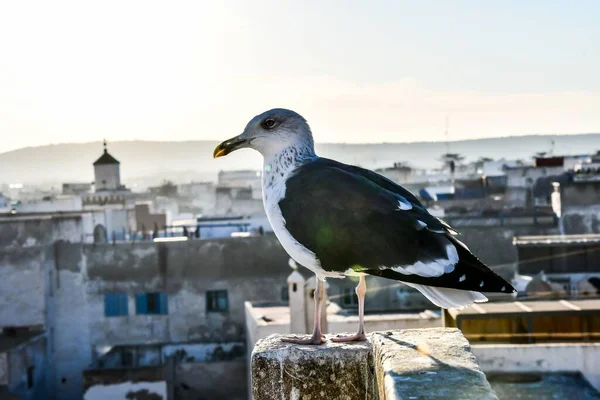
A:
(515, 308)
(547, 385)
(106, 158)
(31, 216)
(276, 314)
(551, 240)
(9, 342)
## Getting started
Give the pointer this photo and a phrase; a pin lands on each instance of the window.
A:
(30, 377)
(217, 301)
(285, 293)
(115, 304)
(127, 357)
(349, 297)
(151, 303)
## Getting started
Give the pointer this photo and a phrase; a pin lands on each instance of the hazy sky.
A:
(366, 71)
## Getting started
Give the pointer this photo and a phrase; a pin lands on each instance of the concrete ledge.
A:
(407, 364)
(432, 363)
(330, 371)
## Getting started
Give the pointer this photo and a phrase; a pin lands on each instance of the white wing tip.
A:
(450, 298)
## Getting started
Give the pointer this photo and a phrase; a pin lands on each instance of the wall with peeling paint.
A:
(249, 269)
(197, 380)
(30, 354)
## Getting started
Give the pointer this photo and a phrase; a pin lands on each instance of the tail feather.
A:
(449, 298)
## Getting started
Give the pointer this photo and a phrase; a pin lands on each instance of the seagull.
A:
(340, 220)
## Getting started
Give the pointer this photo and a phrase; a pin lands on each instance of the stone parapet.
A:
(406, 364)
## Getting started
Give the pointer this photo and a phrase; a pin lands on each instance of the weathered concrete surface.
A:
(250, 269)
(22, 286)
(578, 219)
(330, 371)
(431, 363)
(222, 380)
(29, 355)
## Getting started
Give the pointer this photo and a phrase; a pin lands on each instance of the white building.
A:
(497, 167)
(51, 204)
(107, 172)
(264, 319)
(242, 179)
(4, 201)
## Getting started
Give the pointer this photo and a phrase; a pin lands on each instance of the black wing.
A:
(352, 218)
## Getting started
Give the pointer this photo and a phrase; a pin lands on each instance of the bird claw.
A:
(358, 337)
(313, 340)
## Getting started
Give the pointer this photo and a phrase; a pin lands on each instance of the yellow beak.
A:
(228, 146)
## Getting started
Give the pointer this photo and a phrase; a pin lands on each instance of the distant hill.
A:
(148, 163)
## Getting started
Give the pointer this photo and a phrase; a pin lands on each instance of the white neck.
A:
(289, 156)
(278, 167)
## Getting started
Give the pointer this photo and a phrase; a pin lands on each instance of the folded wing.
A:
(355, 219)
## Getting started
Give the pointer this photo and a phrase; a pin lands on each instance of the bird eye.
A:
(269, 123)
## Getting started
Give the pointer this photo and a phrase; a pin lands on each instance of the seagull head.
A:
(269, 133)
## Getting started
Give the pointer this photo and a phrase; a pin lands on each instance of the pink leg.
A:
(361, 290)
(317, 337)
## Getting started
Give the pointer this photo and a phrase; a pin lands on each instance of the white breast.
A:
(274, 178)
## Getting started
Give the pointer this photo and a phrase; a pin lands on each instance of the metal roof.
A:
(516, 308)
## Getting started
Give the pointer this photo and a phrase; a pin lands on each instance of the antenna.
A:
(452, 163)
(446, 135)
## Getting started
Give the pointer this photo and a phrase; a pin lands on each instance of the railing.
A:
(119, 236)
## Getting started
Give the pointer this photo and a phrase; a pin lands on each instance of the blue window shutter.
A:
(222, 299)
(123, 304)
(108, 305)
(140, 303)
(164, 303)
(115, 304)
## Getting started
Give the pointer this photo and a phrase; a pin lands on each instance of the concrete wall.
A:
(69, 325)
(580, 219)
(199, 381)
(147, 220)
(523, 177)
(127, 391)
(200, 197)
(107, 177)
(22, 285)
(31, 354)
(28, 231)
(249, 269)
(58, 204)
(580, 208)
(552, 357)
(237, 201)
(114, 376)
(580, 194)
(494, 246)
(375, 323)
